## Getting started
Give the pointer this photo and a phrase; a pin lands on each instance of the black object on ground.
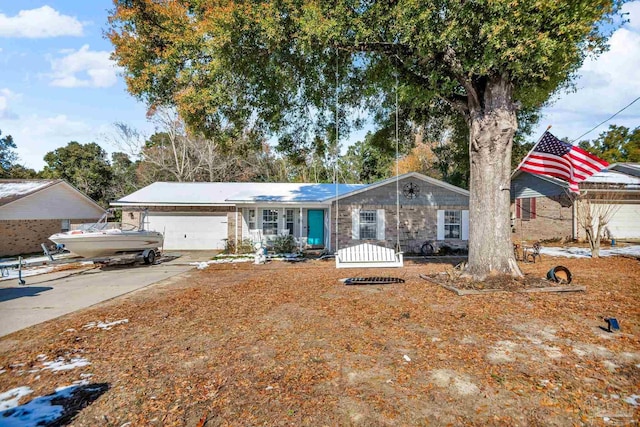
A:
(559, 274)
(372, 280)
(612, 324)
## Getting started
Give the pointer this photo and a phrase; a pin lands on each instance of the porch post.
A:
(300, 230)
(236, 227)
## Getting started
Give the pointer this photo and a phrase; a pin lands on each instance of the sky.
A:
(57, 83)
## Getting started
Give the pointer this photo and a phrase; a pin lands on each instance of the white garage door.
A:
(189, 232)
(625, 223)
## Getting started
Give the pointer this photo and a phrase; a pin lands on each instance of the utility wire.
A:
(600, 124)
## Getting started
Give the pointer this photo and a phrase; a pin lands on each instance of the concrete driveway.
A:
(48, 296)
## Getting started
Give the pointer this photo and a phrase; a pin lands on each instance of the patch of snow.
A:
(10, 189)
(39, 411)
(104, 325)
(14, 273)
(632, 400)
(2, 371)
(9, 399)
(407, 358)
(572, 252)
(41, 357)
(61, 365)
(201, 265)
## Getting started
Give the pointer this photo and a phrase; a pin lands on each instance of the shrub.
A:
(284, 244)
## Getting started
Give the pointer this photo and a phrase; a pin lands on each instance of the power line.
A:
(600, 124)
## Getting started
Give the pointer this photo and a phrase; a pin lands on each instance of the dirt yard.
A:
(287, 344)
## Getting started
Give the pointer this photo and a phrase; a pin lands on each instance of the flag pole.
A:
(532, 148)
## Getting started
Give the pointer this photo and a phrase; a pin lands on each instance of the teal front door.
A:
(315, 227)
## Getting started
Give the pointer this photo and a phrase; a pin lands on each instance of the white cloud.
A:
(5, 96)
(43, 22)
(84, 68)
(606, 84)
(633, 9)
(36, 135)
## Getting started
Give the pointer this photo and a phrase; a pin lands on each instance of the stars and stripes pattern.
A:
(557, 158)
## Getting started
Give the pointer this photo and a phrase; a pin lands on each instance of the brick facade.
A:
(554, 220)
(418, 216)
(25, 236)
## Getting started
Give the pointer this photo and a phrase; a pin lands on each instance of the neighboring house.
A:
(33, 210)
(204, 215)
(542, 208)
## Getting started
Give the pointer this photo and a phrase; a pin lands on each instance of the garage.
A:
(189, 231)
(625, 224)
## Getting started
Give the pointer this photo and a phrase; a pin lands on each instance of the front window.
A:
(289, 221)
(252, 219)
(452, 224)
(368, 225)
(270, 222)
(65, 225)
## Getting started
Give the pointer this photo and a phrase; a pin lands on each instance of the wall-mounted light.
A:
(131, 215)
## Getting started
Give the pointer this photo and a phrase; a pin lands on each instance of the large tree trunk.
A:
(492, 127)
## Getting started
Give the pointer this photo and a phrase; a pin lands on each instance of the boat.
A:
(97, 241)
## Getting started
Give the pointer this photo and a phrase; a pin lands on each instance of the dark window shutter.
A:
(533, 208)
(517, 208)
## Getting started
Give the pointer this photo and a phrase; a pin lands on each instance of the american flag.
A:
(553, 157)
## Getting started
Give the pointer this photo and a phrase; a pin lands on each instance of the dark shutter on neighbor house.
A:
(533, 208)
(518, 214)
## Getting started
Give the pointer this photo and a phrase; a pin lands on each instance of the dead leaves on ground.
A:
(288, 344)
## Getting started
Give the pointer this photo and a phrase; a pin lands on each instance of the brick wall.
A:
(25, 236)
(418, 216)
(554, 220)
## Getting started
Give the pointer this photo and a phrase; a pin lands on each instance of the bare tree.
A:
(594, 210)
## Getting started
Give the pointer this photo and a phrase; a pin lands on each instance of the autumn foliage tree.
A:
(276, 63)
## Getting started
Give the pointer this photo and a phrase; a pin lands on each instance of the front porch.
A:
(310, 226)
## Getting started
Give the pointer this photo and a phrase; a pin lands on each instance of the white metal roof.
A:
(230, 193)
(18, 188)
(11, 190)
(607, 176)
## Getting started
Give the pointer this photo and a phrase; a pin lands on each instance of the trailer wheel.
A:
(149, 257)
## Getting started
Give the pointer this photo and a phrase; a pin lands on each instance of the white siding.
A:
(625, 223)
(59, 201)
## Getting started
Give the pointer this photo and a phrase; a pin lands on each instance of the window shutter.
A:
(465, 225)
(381, 224)
(518, 208)
(355, 224)
(533, 208)
(440, 225)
